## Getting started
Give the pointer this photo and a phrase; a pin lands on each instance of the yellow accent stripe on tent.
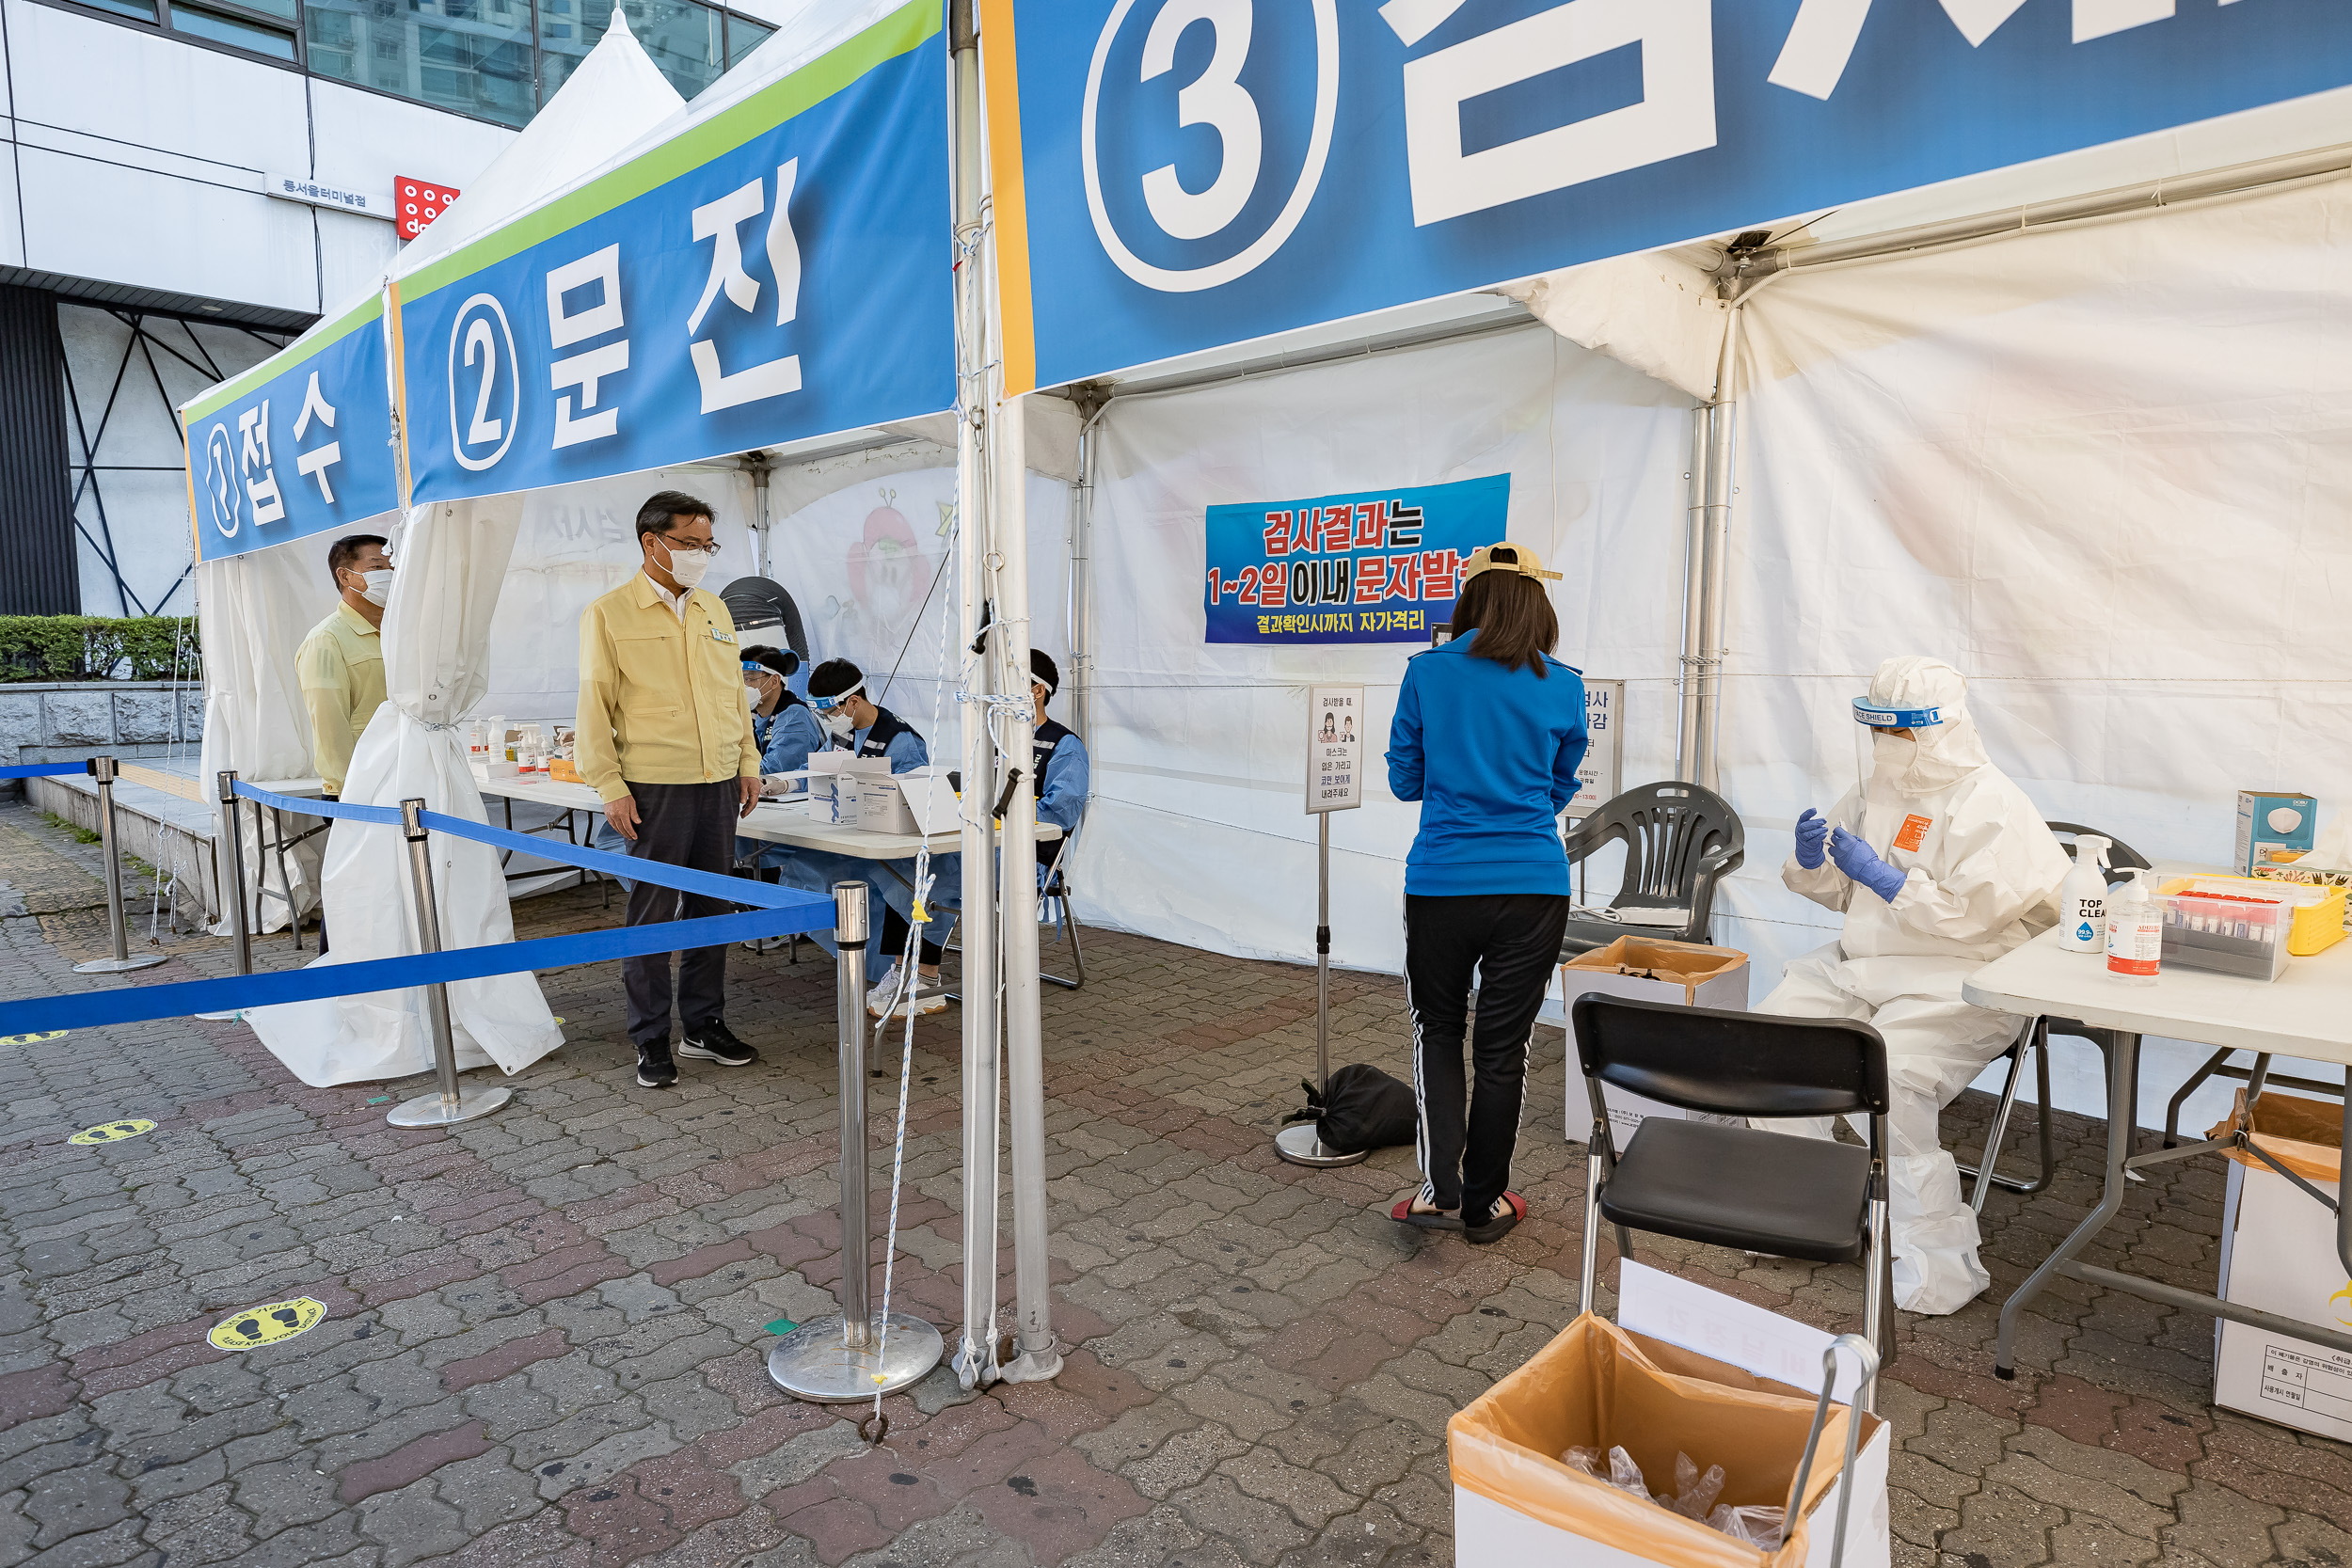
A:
(1000, 74)
(226, 393)
(780, 101)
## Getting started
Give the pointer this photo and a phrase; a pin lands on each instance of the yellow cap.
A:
(1506, 558)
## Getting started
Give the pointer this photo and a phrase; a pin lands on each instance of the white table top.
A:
(290, 787)
(2306, 1011)
(776, 821)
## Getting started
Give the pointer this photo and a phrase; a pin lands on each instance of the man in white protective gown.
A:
(1940, 865)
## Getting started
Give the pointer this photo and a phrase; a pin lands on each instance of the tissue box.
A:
(2274, 826)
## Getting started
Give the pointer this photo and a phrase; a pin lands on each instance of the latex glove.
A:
(1859, 861)
(1812, 834)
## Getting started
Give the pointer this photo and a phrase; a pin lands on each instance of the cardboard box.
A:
(1677, 972)
(837, 781)
(2279, 1254)
(1600, 1383)
(2274, 826)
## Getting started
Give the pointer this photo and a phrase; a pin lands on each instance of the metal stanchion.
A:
(450, 1104)
(229, 884)
(1301, 1143)
(102, 769)
(840, 1359)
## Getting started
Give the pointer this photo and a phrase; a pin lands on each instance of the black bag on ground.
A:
(1364, 1108)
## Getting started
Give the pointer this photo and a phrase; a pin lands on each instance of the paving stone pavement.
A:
(543, 1338)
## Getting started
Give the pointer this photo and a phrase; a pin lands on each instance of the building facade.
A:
(187, 186)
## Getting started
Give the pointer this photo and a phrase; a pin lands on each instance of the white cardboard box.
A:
(2279, 1254)
(1728, 990)
(1489, 1534)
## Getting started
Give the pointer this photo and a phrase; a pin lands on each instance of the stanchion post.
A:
(451, 1103)
(1301, 1143)
(839, 1359)
(102, 769)
(230, 884)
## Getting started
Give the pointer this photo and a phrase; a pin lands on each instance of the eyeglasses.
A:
(675, 545)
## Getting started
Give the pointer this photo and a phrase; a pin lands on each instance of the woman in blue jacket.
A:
(1489, 730)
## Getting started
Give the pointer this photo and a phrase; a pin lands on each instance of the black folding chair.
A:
(1680, 841)
(1727, 1184)
(2034, 1039)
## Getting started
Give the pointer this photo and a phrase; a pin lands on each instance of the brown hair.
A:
(1513, 618)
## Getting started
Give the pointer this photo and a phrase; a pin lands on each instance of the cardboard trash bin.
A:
(2279, 1255)
(1647, 971)
(1517, 1504)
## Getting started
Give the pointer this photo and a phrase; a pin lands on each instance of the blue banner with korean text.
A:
(1374, 566)
(779, 269)
(300, 444)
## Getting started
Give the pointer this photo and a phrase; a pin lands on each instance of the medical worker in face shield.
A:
(1940, 865)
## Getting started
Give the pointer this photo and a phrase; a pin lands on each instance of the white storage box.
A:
(1678, 971)
(2279, 1255)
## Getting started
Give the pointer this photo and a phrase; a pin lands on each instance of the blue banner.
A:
(1174, 175)
(300, 444)
(781, 269)
(1376, 566)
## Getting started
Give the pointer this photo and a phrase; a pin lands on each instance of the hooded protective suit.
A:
(1980, 876)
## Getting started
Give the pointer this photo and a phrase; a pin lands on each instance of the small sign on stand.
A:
(1335, 782)
(1600, 776)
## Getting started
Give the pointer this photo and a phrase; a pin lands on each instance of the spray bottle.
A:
(2082, 898)
(2135, 931)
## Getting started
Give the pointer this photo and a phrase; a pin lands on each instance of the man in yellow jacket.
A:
(665, 740)
(340, 663)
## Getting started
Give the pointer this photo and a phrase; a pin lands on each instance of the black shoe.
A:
(655, 1069)
(715, 1043)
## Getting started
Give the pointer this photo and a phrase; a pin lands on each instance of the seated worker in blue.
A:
(784, 727)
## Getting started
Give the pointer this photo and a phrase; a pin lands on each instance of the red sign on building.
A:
(418, 202)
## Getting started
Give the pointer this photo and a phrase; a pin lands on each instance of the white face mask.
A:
(838, 723)
(1894, 753)
(687, 567)
(379, 586)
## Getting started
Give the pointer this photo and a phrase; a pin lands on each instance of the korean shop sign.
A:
(1173, 174)
(1372, 566)
(300, 444)
(778, 269)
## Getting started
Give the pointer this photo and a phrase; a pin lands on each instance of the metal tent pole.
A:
(844, 1358)
(976, 1354)
(102, 769)
(450, 1104)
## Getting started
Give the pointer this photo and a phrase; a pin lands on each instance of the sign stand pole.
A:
(1301, 1143)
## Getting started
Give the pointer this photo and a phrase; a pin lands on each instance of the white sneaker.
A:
(922, 1003)
(879, 999)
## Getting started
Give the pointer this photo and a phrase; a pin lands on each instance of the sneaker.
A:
(932, 1001)
(655, 1069)
(715, 1043)
(885, 990)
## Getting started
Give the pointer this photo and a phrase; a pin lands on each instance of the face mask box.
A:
(2279, 1255)
(837, 781)
(2274, 827)
(1682, 973)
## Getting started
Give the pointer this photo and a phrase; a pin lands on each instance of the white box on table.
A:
(2279, 1255)
(1719, 980)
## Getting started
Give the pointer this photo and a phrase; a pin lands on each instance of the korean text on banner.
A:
(777, 269)
(1374, 566)
(300, 444)
(1175, 175)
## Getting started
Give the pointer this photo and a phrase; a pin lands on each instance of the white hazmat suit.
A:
(1980, 876)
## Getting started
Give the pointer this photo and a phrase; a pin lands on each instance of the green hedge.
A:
(90, 647)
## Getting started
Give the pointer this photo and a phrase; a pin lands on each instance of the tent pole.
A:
(1693, 595)
(1703, 673)
(975, 1355)
(1092, 404)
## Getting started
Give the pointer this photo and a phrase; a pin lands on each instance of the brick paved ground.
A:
(544, 1331)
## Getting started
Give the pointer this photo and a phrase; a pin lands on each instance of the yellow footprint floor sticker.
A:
(31, 1039)
(113, 1131)
(268, 1325)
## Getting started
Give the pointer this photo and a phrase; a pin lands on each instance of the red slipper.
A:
(1515, 1210)
(1435, 1219)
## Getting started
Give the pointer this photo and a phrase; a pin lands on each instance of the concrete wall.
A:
(67, 721)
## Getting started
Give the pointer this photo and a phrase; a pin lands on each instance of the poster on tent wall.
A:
(1372, 566)
(1175, 175)
(778, 269)
(300, 444)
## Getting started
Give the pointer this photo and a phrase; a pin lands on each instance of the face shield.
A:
(1881, 744)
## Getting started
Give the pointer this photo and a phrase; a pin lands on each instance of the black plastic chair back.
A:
(1680, 840)
(2120, 856)
(1726, 1063)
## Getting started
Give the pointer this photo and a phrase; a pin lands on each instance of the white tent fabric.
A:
(2100, 469)
(1197, 832)
(452, 565)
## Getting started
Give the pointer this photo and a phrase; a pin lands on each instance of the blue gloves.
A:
(1812, 834)
(1861, 863)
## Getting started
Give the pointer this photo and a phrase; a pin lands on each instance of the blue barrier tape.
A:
(711, 884)
(138, 1003)
(311, 805)
(42, 769)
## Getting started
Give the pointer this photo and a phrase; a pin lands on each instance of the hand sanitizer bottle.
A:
(2135, 931)
(2082, 898)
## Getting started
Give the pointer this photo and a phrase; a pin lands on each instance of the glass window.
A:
(471, 55)
(686, 40)
(137, 10)
(236, 31)
(743, 36)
